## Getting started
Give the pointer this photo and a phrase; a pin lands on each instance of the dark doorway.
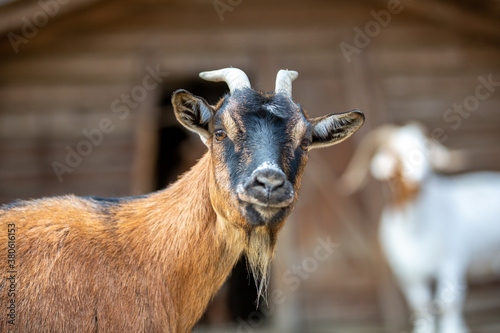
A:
(179, 149)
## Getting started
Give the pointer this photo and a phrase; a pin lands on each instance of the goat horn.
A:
(358, 167)
(234, 77)
(284, 80)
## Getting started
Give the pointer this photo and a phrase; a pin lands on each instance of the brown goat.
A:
(152, 263)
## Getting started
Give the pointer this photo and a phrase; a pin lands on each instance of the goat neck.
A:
(178, 225)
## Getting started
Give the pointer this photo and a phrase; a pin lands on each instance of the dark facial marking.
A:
(261, 129)
(257, 125)
(15, 204)
(255, 218)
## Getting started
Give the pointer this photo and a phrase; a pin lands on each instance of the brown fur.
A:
(129, 269)
(147, 264)
(259, 242)
(403, 191)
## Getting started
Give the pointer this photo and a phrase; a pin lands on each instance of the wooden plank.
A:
(63, 125)
(59, 96)
(456, 85)
(36, 159)
(13, 12)
(432, 110)
(95, 68)
(446, 59)
(456, 18)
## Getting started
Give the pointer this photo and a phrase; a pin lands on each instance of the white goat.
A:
(434, 227)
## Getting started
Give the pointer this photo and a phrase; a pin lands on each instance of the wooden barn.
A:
(85, 90)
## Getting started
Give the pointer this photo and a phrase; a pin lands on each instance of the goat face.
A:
(404, 155)
(259, 146)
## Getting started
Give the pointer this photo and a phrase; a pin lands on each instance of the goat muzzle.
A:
(266, 188)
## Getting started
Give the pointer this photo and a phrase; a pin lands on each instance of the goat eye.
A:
(220, 135)
(304, 144)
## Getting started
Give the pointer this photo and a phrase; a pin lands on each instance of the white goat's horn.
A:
(284, 80)
(358, 167)
(234, 77)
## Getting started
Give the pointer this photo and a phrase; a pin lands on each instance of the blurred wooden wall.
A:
(66, 78)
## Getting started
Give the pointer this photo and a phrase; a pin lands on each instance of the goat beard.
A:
(259, 253)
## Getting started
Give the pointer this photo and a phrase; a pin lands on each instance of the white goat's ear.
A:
(440, 156)
(444, 159)
(335, 127)
(193, 112)
(383, 165)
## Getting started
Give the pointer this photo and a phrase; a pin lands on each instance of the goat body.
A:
(433, 227)
(453, 224)
(150, 264)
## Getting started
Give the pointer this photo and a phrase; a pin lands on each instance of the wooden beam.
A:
(454, 17)
(13, 12)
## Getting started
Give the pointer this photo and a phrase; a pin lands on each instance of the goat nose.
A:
(269, 180)
(267, 187)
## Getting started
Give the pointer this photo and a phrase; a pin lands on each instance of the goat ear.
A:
(335, 127)
(193, 112)
(444, 159)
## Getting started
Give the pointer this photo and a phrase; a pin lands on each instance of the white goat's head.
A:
(402, 153)
(406, 153)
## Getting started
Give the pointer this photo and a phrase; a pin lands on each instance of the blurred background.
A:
(85, 90)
